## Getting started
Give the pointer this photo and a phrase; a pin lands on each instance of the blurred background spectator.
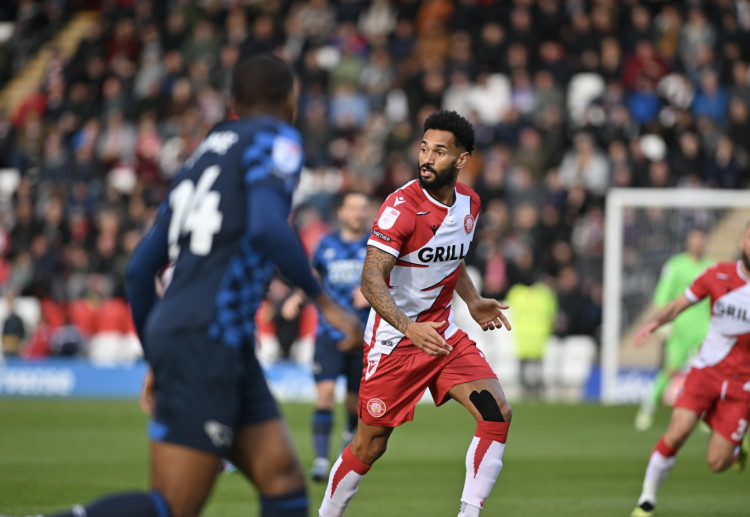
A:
(568, 99)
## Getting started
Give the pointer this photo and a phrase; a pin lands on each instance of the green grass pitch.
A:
(561, 460)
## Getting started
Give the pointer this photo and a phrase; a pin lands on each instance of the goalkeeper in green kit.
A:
(688, 329)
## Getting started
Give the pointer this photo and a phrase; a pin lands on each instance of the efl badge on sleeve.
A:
(286, 155)
(468, 223)
(388, 218)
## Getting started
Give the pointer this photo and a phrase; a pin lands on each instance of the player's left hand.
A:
(147, 399)
(488, 313)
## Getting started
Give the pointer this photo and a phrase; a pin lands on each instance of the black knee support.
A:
(487, 406)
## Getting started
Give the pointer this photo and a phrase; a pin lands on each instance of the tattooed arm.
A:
(378, 265)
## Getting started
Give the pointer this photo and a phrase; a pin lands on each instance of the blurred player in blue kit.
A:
(338, 260)
(224, 228)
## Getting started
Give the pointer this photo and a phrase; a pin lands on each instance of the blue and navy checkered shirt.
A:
(220, 276)
(339, 263)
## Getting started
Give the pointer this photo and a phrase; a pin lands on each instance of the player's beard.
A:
(442, 179)
(746, 261)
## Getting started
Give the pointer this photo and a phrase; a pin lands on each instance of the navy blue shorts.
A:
(205, 391)
(329, 362)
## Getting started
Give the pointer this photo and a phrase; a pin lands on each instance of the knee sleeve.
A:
(487, 406)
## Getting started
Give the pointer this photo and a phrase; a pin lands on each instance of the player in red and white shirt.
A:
(414, 264)
(718, 385)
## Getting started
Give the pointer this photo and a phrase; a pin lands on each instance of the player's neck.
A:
(260, 110)
(446, 195)
(744, 269)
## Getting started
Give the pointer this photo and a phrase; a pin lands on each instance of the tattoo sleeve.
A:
(377, 267)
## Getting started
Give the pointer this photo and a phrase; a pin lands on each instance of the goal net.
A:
(644, 227)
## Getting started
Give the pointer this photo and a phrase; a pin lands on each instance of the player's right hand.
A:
(425, 336)
(344, 320)
(644, 334)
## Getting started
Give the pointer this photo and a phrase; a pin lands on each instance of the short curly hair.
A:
(262, 79)
(444, 120)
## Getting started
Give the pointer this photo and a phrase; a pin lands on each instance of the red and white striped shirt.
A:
(726, 347)
(430, 240)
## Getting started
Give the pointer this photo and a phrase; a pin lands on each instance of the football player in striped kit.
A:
(413, 266)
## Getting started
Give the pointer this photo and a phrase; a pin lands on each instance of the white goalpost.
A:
(643, 227)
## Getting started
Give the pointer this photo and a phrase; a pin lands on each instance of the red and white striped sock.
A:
(343, 483)
(660, 463)
(484, 460)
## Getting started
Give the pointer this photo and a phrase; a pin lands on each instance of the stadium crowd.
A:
(568, 99)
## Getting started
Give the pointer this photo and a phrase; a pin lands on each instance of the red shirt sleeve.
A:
(394, 224)
(701, 287)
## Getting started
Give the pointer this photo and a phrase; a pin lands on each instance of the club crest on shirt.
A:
(388, 218)
(468, 223)
(376, 407)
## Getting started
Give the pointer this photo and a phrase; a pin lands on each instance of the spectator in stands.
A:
(7, 139)
(14, 330)
(67, 341)
(531, 154)
(585, 165)
(521, 269)
(687, 159)
(548, 95)
(550, 229)
(739, 123)
(148, 147)
(576, 314)
(711, 99)
(739, 87)
(117, 139)
(723, 169)
(697, 36)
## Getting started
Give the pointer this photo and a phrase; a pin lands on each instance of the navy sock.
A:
(128, 504)
(322, 423)
(293, 504)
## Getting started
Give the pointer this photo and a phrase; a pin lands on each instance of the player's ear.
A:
(463, 159)
(290, 103)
